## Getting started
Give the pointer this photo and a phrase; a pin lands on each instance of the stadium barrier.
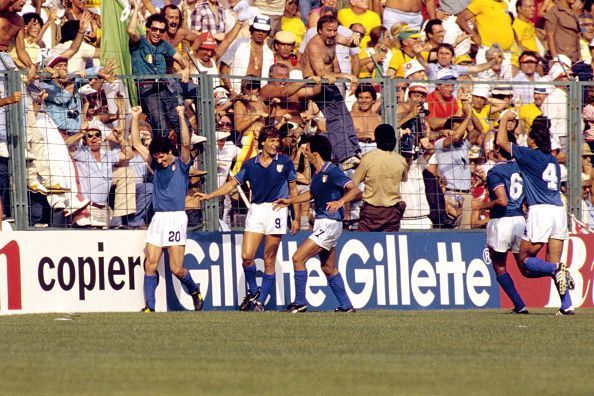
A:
(101, 271)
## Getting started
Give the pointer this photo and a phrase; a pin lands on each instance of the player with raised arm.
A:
(271, 177)
(507, 224)
(330, 189)
(547, 220)
(169, 224)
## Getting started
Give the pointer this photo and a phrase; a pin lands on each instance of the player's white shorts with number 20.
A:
(326, 233)
(262, 219)
(544, 222)
(506, 233)
(167, 229)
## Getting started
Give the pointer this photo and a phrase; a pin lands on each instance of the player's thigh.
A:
(271, 244)
(176, 257)
(249, 246)
(529, 249)
(328, 262)
(306, 250)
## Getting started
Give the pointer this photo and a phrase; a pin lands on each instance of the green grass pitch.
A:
(233, 353)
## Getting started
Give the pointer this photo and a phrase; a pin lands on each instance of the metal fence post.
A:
(210, 209)
(574, 116)
(17, 139)
(389, 101)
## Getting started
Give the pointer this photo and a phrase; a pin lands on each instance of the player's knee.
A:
(247, 261)
(150, 265)
(178, 272)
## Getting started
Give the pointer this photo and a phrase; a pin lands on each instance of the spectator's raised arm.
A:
(133, 22)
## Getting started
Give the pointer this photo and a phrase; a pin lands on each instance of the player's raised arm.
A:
(502, 140)
(184, 155)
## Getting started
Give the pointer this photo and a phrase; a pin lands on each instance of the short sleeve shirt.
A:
(150, 59)
(267, 183)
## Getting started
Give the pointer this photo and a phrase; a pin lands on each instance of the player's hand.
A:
(280, 203)
(295, 226)
(333, 206)
(200, 196)
(508, 115)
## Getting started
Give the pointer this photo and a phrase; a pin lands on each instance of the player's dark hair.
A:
(155, 18)
(267, 132)
(248, 85)
(385, 137)
(173, 7)
(447, 46)
(160, 145)
(512, 139)
(366, 87)
(541, 134)
(430, 24)
(324, 20)
(32, 16)
(321, 145)
(69, 30)
(375, 35)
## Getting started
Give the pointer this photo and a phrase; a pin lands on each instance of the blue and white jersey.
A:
(267, 183)
(326, 186)
(506, 174)
(541, 174)
(170, 186)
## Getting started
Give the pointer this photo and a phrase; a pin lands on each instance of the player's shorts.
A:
(167, 229)
(506, 233)
(262, 219)
(545, 222)
(326, 233)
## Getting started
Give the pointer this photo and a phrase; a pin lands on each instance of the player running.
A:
(271, 176)
(547, 220)
(169, 224)
(506, 225)
(330, 189)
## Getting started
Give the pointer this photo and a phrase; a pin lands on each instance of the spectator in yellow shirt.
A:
(359, 12)
(291, 21)
(407, 39)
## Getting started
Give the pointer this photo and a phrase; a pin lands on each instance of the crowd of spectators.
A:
(479, 58)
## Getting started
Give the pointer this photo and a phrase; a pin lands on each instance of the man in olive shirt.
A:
(382, 170)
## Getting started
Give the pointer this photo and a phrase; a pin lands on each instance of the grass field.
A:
(230, 353)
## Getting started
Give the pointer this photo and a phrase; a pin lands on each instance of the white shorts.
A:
(419, 223)
(167, 229)
(506, 233)
(545, 222)
(262, 219)
(326, 233)
(414, 20)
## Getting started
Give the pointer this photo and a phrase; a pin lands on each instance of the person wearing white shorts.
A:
(167, 229)
(330, 189)
(271, 176)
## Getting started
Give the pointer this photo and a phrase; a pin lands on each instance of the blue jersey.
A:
(326, 186)
(267, 183)
(170, 186)
(507, 175)
(541, 174)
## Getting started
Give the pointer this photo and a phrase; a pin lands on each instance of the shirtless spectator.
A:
(176, 34)
(284, 45)
(407, 12)
(364, 118)
(75, 12)
(319, 59)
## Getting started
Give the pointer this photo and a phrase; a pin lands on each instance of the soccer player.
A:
(547, 220)
(506, 225)
(169, 224)
(271, 176)
(330, 189)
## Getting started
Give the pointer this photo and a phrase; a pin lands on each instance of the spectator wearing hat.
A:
(359, 12)
(407, 12)
(346, 54)
(528, 65)
(442, 103)
(408, 40)
(274, 10)
(413, 70)
(529, 111)
(284, 46)
(249, 57)
(382, 170)
(562, 29)
(291, 21)
(481, 109)
(416, 215)
(554, 106)
(365, 119)
(413, 117)
(525, 30)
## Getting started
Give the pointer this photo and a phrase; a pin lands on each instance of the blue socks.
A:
(566, 301)
(507, 284)
(188, 282)
(539, 268)
(250, 278)
(267, 283)
(150, 285)
(300, 282)
(337, 285)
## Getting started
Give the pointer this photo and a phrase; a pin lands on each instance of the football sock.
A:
(507, 284)
(566, 301)
(150, 285)
(267, 283)
(188, 282)
(337, 285)
(250, 278)
(300, 282)
(539, 267)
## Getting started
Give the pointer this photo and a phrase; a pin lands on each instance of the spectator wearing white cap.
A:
(274, 10)
(284, 46)
(528, 61)
(529, 111)
(249, 57)
(442, 102)
(412, 114)
(554, 106)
